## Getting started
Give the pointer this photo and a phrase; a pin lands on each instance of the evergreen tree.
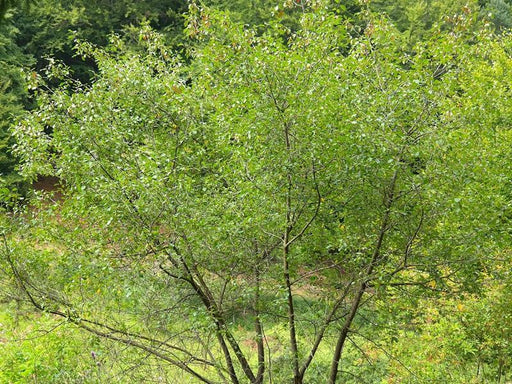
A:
(5, 5)
(13, 99)
(499, 12)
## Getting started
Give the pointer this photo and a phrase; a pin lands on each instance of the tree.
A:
(276, 182)
(13, 98)
(499, 12)
(418, 19)
(52, 28)
(5, 5)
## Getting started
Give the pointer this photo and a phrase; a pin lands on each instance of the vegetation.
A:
(314, 192)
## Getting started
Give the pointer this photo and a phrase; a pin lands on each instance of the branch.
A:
(315, 214)
(125, 338)
(320, 335)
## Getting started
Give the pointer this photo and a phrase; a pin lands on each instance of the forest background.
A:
(255, 191)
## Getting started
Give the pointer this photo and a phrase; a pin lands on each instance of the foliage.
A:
(420, 19)
(270, 207)
(51, 28)
(453, 338)
(266, 195)
(33, 36)
(5, 5)
(499, 12)
(13, 97)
